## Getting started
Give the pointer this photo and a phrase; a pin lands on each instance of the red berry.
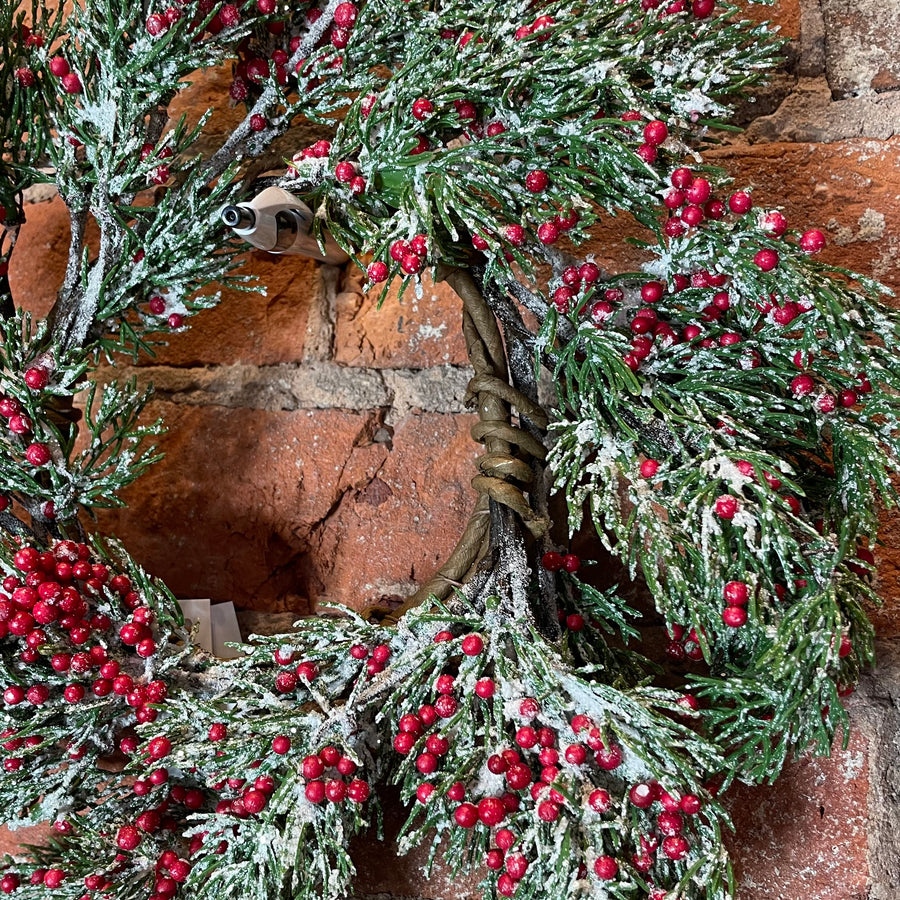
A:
(229, 15)
(37, 378)
(526, 737)
(649, 468)
(37, 695)
(652, 291)
(345, 15)
(537, 181)
(609, 758)
(307, 671)
(128, 837)
(25, 77)
(59, 66)
(281, 744)
(774, 222)
(358, 791)
(472, 644)
(422, 108)
(600, 801)
(157, 24)
(345, 172)
(675, 847)
(254, 801)
(315, 791)
(335, 790)
(641, 795)
(726, 506)
(466, 815)
(551, 561)
(491, 811)
(682, 178)
(74, 693)
(427, 763)
(606, 868)
(485, 688)
(734, 616)
(312, 767)
(159, 747)
(424, 792)
(848, 398)
(670, 822)
(38, 454)
(698, 192)
(548, 233)
(516, 866)
(690, 804)
(766, 259)
(648, 153)
(445, 706)
(655, 132)
(548, 811)
(377, 272)
(518, 776)
(740, 202)
(736, 593)
(812, 241)
(515, 234)
(802, 386)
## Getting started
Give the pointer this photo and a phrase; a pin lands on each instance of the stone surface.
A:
(861, 49)
(391, 532)
(314, 385)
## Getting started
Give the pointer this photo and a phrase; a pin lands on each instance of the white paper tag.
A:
(217, 625)
(225, 629)
(196, 612)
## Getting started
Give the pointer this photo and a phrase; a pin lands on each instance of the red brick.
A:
(805, 836)
(845, 187)
(394, 532)
(785, 15)
(277, 510)
(244, 327)
(249, 327)
(38, 263)
(406, 331)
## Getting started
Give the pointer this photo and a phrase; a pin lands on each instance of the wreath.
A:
(725, 418)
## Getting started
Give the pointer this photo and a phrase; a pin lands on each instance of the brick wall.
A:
(318, 447)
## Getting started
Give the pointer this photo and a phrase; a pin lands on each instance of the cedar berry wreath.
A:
(726, 419)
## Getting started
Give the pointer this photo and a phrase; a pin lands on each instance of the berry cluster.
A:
(58, 605)
(329, 776)
(548, 774)
(684, 644)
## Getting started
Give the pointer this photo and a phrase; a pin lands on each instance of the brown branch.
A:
(503, 471)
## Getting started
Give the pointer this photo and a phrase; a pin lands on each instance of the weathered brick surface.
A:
(805, 836)
(862, 54)
(847, 188)
(278, 510)
(408, 331)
